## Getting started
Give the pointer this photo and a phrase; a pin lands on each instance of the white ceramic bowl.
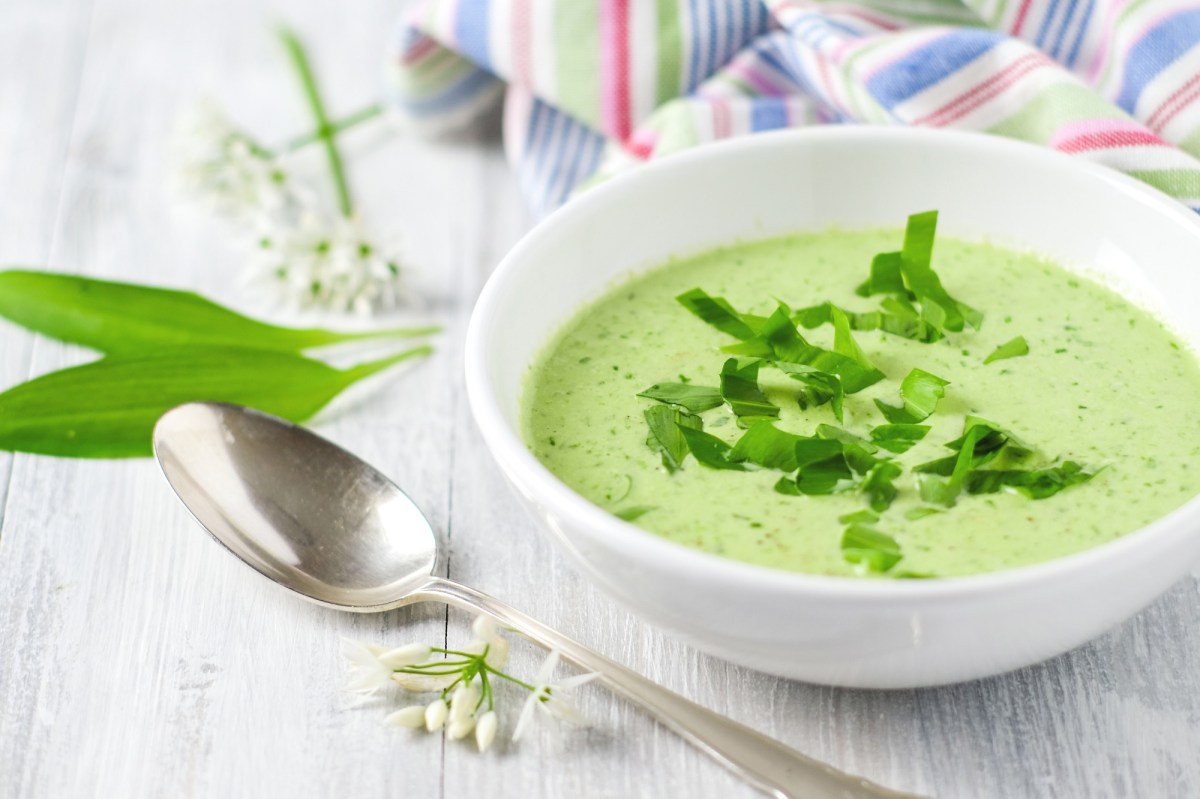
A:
(837, 631)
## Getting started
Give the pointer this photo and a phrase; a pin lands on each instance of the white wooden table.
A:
(139, 659)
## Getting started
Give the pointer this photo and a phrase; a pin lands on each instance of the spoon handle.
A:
(765, 763)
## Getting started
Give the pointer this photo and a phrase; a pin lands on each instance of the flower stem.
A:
(324, 130)
(512, 679)
(335, 127)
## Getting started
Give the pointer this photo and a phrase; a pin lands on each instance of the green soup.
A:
(1103, 384)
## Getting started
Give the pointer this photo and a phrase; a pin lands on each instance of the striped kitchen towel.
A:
(592, 87)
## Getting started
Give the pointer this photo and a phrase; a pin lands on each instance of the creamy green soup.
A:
(1103, 384)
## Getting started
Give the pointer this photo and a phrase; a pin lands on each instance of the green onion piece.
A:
(710, 450)
(898, 437)
(694, 398)
(868, 547)
(717, 312)
(666, 424)
(920, 392)
(739, 387)
(1011, 349)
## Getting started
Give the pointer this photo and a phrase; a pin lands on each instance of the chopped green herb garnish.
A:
(824, 476)
(879, 485)
(982, 441)
(778, 340)
(1011, 349)
(710, 450)
(717, 312)
(633, 512)
(909, 274)
(820, 387)
(920, 392)
(898, 437)
(859, 517)
(868, 547)
(904, 322)
(767, 446)
(916, 256)
(1035, 484)
(739, 387)
(885, 277)
(666, 424)
(920, 513)
(694, 398)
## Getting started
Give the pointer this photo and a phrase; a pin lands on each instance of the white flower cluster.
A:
(464, 679)
(308, 260)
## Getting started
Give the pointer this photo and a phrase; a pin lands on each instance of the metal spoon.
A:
(316, 519)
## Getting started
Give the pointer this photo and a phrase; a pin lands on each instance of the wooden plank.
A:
(45, 39)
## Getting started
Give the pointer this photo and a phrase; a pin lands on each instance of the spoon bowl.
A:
(299, 509)
(318, 521)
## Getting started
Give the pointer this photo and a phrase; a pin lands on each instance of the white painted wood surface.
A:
(138, 659)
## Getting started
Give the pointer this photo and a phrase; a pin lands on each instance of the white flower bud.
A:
(435, 715)
(461, 728)
(484, 628)
(403, 656)
(464, 701)
(411, 717)
(485, 730)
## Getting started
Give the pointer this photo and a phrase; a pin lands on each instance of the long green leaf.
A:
(128, 319)
(107, 408)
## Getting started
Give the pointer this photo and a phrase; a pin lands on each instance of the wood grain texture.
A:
(139, 659)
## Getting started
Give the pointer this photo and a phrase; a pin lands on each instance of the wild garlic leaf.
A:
(820, 387)
(898, 438)
(128, 319)
(717, 312)
(1035, 484)
(885, 276)
(938, 488)
(768, 446)
(906, 324)
(1010, 349)
(739, 387)
(879, 484)
(778, 340)
(686, 395)
(845, 345)
(920, 392)
(916, 256)
(862, 545)
(710, 450)
(825, 476)
(665, 424)
(107, 408)
(859, 517)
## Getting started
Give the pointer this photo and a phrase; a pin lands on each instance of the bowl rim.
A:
(524, 469)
